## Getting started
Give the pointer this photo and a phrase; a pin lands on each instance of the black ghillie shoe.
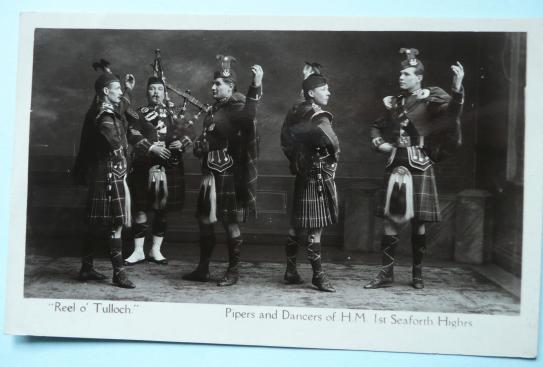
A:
(292, 277)
(322, 282)
(383, 279)
(128, 263)
(159, 262)
(417, 282)
(197, 276)
(90, 274)
(231, 277)
(120, 279)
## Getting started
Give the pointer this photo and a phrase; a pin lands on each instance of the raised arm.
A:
(126, 99)
(245, 113)
(455, 106)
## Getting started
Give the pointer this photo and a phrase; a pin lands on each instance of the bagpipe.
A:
(178, 112)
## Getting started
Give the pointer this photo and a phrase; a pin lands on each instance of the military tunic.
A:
(156, 125)
(108, 201)
(423, 128)
(228, 150)
(312, 148)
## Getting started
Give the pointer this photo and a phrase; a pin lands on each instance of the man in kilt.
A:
(312, 147)
(419, 127)
(228, 150)
(102, 164)
(157, 181)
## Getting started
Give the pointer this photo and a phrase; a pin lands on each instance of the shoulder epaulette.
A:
(317, 111)
(389, 102)
(322, 113)
(105, 108)
(437, 95)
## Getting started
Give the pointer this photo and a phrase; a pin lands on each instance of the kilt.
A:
(142, 197)
(229, 208)
(311, 210)
(425, 196)
(103, 208)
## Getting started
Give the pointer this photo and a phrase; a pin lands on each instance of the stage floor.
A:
(450, 287)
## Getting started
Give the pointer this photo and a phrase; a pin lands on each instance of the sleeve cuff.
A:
(376, 142)
(143, 145)
(254, 93)
(186, 140)
(458, 96)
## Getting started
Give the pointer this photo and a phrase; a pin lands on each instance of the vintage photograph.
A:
(310, 169)
(384, 169)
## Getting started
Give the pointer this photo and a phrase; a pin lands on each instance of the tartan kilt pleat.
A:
(309, 208)
(425, 196)
(103, 208)
(229, 208)
(142, 198)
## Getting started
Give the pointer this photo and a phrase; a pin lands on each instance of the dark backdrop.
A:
(362, 68)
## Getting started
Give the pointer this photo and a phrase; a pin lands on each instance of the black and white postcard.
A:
(342, 183)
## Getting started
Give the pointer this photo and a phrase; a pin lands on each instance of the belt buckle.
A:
(404, 141)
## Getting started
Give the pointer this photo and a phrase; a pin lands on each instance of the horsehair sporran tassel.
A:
(209, 197)
(158, 186)
(213, 199)
(400, 183)
(127, 204)
(163, 192)
(409, 210)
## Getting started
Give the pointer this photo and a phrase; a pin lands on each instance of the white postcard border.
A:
(490, 335)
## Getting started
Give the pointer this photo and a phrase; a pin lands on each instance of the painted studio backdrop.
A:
(481, 187)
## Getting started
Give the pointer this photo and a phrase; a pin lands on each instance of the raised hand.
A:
(258, 74)
(458, 76)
